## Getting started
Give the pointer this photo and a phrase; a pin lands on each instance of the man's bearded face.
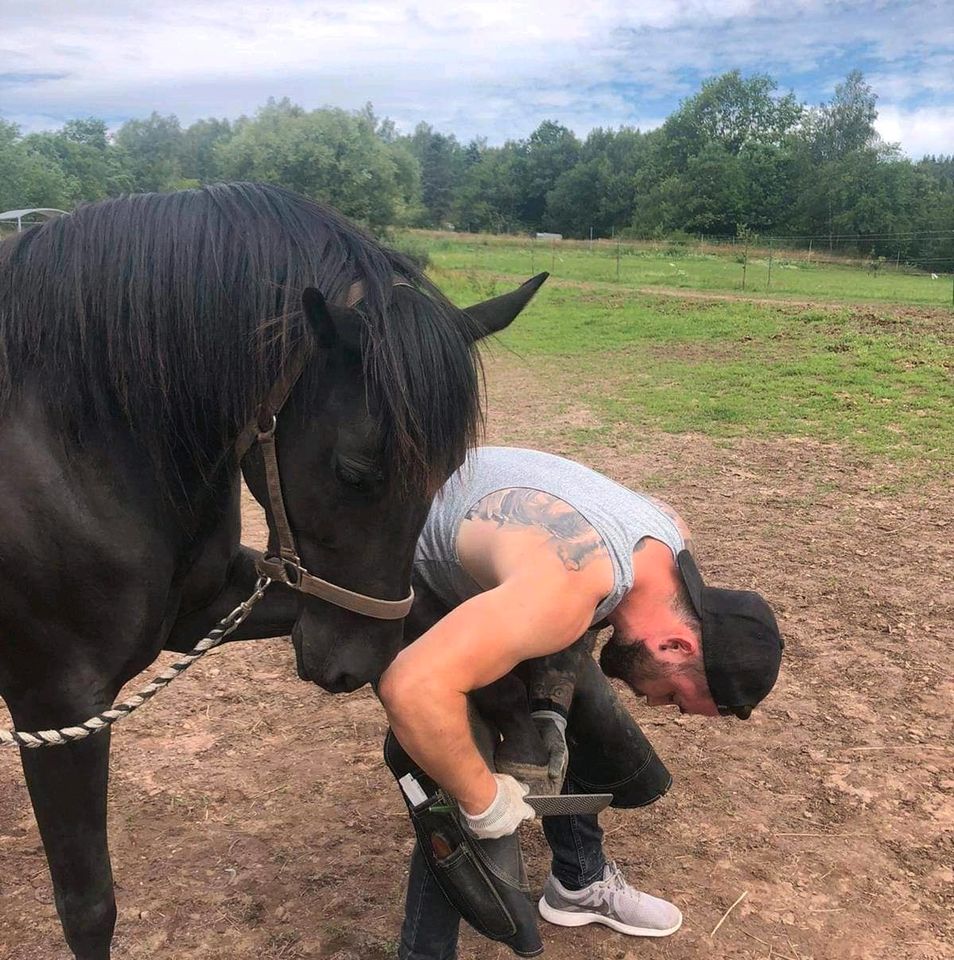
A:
(632, 663)
(660, 682)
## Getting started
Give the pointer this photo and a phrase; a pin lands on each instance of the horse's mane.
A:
(177, 311)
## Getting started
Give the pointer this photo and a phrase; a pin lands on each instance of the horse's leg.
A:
(551, 680)
(504, 703)
(68, 788)
(541, 683)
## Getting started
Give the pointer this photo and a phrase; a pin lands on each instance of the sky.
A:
(469, 67)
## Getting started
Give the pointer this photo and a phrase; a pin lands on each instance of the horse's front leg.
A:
(545, 683)
(68, 788)
(520, 752)
(551, 680)
(273, 616)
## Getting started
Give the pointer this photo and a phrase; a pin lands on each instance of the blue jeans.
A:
(430, 922)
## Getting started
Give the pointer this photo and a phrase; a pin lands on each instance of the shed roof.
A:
(20, 214)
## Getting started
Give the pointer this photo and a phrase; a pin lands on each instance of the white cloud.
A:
(920, 131)
(472, 67)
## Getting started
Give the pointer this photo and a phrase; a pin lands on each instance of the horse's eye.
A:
(349, 476)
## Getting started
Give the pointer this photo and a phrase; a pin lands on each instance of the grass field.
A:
(685, 268)
(875, 376)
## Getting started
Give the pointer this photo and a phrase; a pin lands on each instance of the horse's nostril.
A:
(341, 683)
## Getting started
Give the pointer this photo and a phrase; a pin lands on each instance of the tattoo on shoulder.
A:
(575, 541)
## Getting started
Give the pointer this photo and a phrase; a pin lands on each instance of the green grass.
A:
(875, 381)
(676, 268)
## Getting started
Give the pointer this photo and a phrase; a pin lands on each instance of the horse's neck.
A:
(98, 481)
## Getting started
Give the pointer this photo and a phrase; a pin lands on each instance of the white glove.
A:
(552, 729)
(504, 815)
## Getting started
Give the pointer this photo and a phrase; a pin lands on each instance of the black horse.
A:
(138, 338)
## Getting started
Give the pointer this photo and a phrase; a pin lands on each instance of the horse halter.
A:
(286, 567)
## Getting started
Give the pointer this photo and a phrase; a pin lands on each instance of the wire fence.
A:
(842, 264)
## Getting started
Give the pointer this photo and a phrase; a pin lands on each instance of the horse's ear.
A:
(495, 315)
(332, 326)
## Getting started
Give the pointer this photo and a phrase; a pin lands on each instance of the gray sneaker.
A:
(610, 901)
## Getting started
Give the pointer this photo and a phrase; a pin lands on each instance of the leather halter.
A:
(286, 567)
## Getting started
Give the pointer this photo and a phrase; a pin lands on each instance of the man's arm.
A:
(547, 571)
(425, 689)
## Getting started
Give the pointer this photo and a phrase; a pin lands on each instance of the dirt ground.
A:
(251, 816)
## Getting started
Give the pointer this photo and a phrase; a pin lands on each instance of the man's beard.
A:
(629, 662)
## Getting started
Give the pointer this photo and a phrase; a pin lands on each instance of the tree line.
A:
(737, 157)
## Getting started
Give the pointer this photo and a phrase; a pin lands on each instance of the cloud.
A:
(474, 67)
(921, 131)
(19, 79)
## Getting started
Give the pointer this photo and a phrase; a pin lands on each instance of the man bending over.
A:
(528, 551)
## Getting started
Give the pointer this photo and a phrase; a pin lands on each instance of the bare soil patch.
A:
(251, 816)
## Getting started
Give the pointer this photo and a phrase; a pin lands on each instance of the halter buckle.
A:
(292, 570)
(268, 432)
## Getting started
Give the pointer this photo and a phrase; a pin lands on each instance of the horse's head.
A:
(369, 434)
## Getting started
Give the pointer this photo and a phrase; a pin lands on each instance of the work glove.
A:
(504, 815)
(552, 729)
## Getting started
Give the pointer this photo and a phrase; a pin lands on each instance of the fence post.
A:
(745, 258)
(552, 256)
(769, 285)
(533, 256)
(617, 259)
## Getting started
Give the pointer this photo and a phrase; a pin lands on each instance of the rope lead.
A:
(56, 738)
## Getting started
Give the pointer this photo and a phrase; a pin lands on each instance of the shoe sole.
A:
(563, 918)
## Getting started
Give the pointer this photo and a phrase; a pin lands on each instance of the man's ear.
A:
(677, 646)
(496, 314)
(332, 325)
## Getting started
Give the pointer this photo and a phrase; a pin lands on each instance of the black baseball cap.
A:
(741, 645)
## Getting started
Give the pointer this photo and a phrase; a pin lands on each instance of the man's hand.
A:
(507, 811)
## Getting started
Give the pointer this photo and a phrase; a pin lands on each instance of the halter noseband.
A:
(286, 567)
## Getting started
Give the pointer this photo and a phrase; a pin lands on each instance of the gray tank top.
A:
(621, 517)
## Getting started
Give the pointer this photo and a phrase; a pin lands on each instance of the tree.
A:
(441, 161)
(197, 152)
(573, 203)
(327, 154)
(89, 131)
(732, 112)
(769, 175)
(846, 124)
(92, 168)
(154, 150)
(599, 192)
(27, 177)
(721, 159)
(736, 152)
(489, 194)
(551, 151)
(840, 155)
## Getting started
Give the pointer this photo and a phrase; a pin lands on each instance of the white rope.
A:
(56, 738)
